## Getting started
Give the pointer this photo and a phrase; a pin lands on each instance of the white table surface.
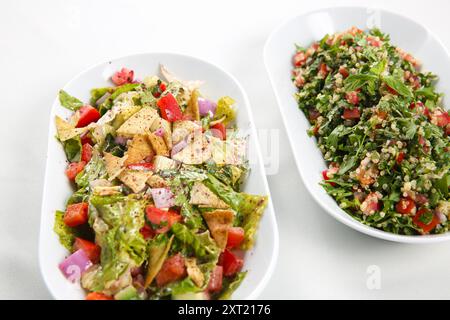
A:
(43, 44)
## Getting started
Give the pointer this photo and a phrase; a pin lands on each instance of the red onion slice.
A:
(163, 197)
(206, 107)
(178, 147)
(74, 265)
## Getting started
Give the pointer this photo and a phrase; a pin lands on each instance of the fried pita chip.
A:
(219, 221)
(66, 131)
(165, 125)
(138, 123)
(192, 112)
(157, 254)
(158, 144)
(194, 271)
(114, 165)
(183, 128)
(134, 179)
(156, 181)
(201, 195)
(164, 163)
(197, 151)
(138, 149)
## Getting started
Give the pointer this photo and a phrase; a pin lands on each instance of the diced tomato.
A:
(352, 97)
(323, 70)
(426, 227)
(85, 138)
(230, 262)
(76, 214)
(400, 157)
(299, 59)
(123, 76)
(87, 115)
(161, 220)
(371, 204)
(329, 173)
(391, 90)
(74, 168)
(162, 87)
(145, 166)
(220, 130)
(373, 41)
(440, 118)
(235, 237)
(299, 81)
(98, 296)
(86, 152)
(147, 232)
(170, 110)
(215, 279)
(91, 249)
(350, 114)
(406, 206)
(343, 71)
(447, 129)
(173, 269)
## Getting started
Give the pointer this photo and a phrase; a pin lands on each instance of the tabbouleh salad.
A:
(157, 210)
(382, 129)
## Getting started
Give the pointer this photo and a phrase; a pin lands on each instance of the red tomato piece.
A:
(87, 115)
(145, 166)
(350, 114)
(76, 214)
(235, 237)
(123, 76)
(74, 168)
(230, 262)
(299, 59)
(343, 71)
(323, 70)
(215, 279)
(400, 157)
(373, 41)
(86, 152)
(391, 90)
(220, 130)
(147, 232)
(173, 269)
(426, 227)
(406, 206)
(161, 220)
(170, 110)
(440, 118)
(91, 249)
(371, 204)
(162, 87)
(98, 296)
(329, 173)
(85, 138)
(352, 97)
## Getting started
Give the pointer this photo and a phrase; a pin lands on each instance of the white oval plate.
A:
(260, 261)
(303, 30)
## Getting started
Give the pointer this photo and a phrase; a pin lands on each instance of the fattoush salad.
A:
(157, 210)
(382, 129)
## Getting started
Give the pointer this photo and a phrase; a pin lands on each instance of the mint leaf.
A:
(398, 85)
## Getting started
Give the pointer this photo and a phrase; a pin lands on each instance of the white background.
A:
(43, 44)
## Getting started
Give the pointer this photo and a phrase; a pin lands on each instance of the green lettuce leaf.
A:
(225, 110)
(123, 246)
(248, 206)
(97, 93)
(69, 102)
(229, 286)
(95, 169)
(72, 149)
(66, 234)
(201, 245)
